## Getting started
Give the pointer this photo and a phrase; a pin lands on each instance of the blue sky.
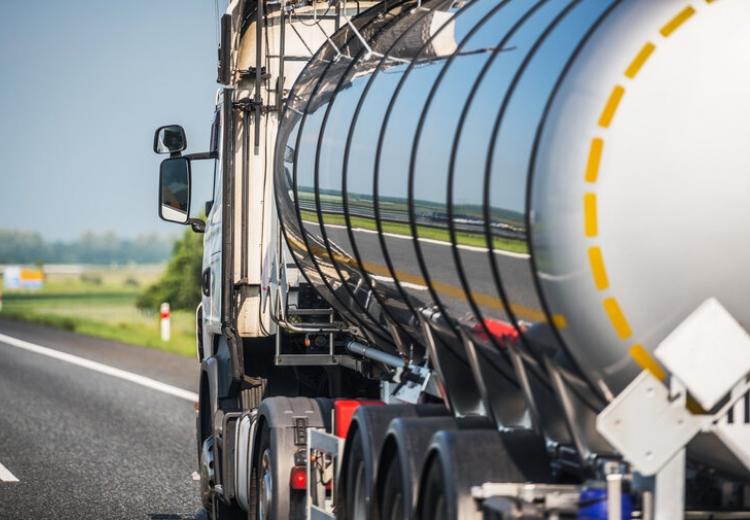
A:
(84, 84)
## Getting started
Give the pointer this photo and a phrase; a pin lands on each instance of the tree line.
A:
(26, 247)
(180, 283)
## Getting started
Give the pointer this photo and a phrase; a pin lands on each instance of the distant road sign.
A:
(16, 277)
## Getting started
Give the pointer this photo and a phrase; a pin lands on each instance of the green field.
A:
(101, 302)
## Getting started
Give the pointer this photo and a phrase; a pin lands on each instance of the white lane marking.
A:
(408, 285)
(433, 241)
(100, 367)
(6, 475)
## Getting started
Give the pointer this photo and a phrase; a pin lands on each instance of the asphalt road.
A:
(86, 444)
(514, 270)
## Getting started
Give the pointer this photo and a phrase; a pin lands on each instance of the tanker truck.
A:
(474, 260)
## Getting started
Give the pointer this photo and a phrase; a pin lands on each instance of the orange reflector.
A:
(298, 478)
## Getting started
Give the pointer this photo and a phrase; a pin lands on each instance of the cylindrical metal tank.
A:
(567, 174)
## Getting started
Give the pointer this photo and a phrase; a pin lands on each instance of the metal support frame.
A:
(649, 422)
(566, 402)
(280, 311)
(669, 493)
(614, 497)
(319, 443)
(553, 499)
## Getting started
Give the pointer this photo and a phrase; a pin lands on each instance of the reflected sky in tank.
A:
(441, 126)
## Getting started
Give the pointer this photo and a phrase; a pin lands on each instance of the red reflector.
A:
(343, 411)
(504, 332)
(298, 478)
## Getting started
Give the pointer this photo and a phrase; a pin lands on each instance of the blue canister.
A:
(592, 504)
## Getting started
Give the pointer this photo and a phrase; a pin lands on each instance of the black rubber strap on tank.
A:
(354, 316)
(490, 155)
(345, 194)
(412, 173)
(378, 154)
(405, 297)
(530, 179)
(451, 176)
(486, 203)
(329, 105)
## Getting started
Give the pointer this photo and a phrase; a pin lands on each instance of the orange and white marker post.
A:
(165, 329)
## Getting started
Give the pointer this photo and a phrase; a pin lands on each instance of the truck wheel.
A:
(216, 509)
(356, 481)
(404, 450)
(432, 500)
(392, 504)
(222, 511)
(360, 461)
(267, 483)
(460, 460)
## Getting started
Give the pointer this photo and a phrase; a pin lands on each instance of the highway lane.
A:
(84, 444)
(514, 269)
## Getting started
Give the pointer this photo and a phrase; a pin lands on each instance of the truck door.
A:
(212, 246)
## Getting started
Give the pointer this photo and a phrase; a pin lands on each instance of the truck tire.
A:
(276, 448)
(265, 480)
(360, 461)
(460, 460)
(216, 509)
(400, 466)
(220, 510)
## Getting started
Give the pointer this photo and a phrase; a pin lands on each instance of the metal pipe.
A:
(245, 194)
(258, 72)
(227, 231)
(375, 354)
(282, 57)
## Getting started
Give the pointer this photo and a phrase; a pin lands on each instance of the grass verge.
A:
(102, 310)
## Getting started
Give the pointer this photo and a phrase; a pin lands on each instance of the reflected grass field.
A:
(101, 302)
(429, 232)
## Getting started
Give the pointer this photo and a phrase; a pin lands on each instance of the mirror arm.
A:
(201, 156)
(197, 225)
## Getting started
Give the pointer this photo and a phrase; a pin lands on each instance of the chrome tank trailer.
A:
(533, 192)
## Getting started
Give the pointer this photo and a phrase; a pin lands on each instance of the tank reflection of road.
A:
(442, 271)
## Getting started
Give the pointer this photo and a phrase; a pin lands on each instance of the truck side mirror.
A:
(170, 139)
(174, 190)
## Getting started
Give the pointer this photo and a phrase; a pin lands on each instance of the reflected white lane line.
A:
(500, 252)
(6, 475)
(100, 367)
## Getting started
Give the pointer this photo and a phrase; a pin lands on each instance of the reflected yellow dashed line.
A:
(520, 311)
(444, 289)
(560, 321)
(596, 259)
